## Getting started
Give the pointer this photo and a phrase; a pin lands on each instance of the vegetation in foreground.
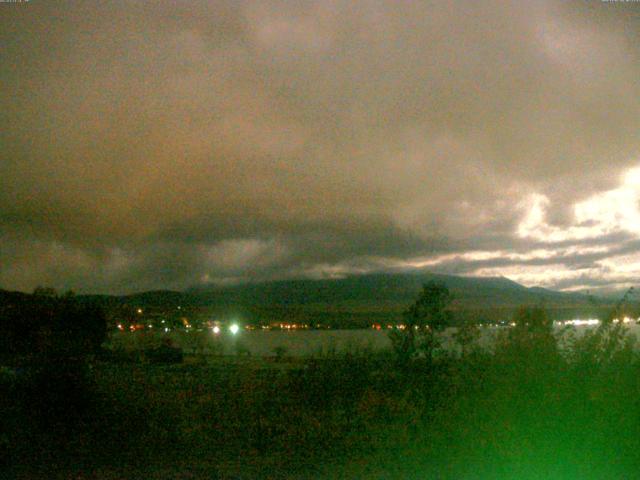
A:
(537, 405)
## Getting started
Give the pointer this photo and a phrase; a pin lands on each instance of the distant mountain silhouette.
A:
(382, 288)
(370, 289)
(380, 295)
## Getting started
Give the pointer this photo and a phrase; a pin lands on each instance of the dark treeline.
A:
(45, 323)
(48, 343)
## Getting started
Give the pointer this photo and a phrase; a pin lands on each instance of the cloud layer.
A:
(151, 145)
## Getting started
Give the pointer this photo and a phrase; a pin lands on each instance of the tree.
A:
(41, 291)
(467, 335)
(422, 320)
(621, 308)
(531, 338)
(601, 345)
(49, 324)
(51, 336)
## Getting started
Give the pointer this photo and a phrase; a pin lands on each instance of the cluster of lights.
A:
(578, 322)
(389, 326)
(234, 328)
(625, 320)
(292, 326)
(594, 321)
(282, 326)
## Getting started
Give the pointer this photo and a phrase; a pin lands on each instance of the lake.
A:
(296, 343)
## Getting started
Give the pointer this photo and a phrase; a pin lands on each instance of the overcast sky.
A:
(165, 144)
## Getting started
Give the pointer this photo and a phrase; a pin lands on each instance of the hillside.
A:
(382, 289)
(360, 299)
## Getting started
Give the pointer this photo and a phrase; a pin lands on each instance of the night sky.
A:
(168, 144)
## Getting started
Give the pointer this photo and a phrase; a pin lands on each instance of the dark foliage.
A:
(46, 340)
(426, 316)
(49, 324)
(538, 404)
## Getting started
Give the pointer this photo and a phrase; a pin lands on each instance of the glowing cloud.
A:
(601, 214)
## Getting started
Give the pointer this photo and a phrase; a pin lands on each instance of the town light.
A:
(234, 328)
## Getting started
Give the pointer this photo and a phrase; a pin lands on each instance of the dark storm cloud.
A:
(150, 145)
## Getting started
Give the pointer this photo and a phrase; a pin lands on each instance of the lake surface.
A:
(298, 343)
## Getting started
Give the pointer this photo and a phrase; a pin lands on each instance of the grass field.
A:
(518, 411)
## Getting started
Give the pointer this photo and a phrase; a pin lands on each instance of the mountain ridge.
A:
(356, 300)
(364, 289)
